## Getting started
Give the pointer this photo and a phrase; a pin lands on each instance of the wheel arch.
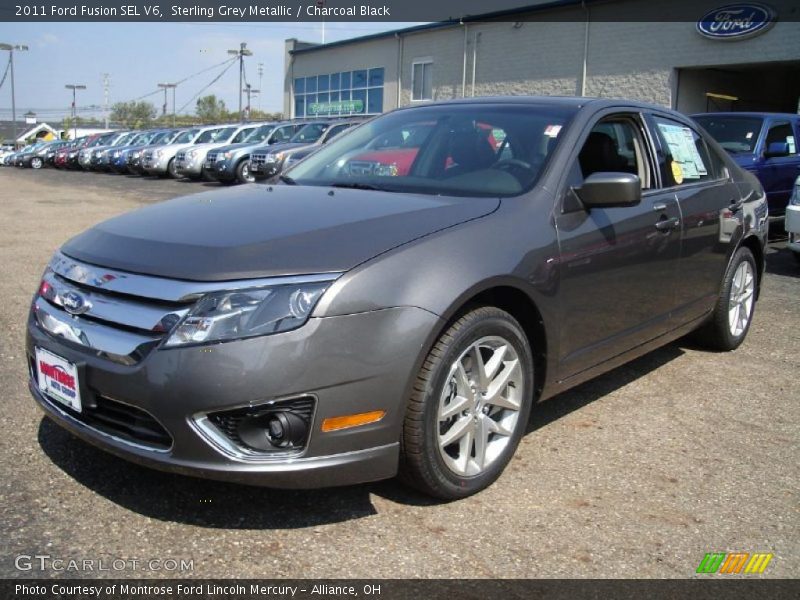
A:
(509, 297)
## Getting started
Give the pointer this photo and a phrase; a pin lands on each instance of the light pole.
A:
(241, 53)
(249, 90)
(74, 87)
(167, 86)
(260, 85)
(11, 48)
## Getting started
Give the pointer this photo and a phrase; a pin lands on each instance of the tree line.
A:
(208, 109)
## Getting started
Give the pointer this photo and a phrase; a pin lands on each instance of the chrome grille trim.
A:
(124, 316)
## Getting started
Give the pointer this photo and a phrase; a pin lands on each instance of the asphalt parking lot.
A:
(638, 473)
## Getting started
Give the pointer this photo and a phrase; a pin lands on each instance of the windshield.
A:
(185, 137)
(159, 137)
(310, 133)
(215, 135)
(460, 150)
(170, 137)
(260, 133)
(735, 134)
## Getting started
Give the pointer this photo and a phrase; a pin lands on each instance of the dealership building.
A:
(731, 57)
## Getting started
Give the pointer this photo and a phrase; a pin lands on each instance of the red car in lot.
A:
(393, 155)
(67, 157)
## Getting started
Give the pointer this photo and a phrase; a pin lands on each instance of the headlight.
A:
(240, 314)
(276, 157)
(225, 156)
(795, 199)
(117, 153)
(191, 154)
(158, 153)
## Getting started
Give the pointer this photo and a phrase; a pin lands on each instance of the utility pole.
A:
(74, 87)
(11, 48)
(260, 85)
(241, 53)
(249, 90)
(106, 85)
(167, 86)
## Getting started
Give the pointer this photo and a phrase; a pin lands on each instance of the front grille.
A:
(180, 156)
(211, 157)
(148, 156)
(258, 159)
(127, 422)
(116, 419)
(123, 327)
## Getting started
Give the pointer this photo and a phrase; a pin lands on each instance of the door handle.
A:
(668, 224)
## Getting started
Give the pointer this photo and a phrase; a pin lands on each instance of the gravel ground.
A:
(638, 473)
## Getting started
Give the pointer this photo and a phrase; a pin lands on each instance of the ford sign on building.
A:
(736, 21)
(690, 55)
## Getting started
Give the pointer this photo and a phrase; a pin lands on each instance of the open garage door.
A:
(768, 87)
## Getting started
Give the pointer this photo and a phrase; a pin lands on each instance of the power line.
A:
(212, 82)
(8, 65)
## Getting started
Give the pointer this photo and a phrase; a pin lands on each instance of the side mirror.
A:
(776, 150)
(608, 190)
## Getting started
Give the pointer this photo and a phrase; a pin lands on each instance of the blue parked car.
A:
(763, 143)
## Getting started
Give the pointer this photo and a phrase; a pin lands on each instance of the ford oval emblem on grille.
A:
(74, 303)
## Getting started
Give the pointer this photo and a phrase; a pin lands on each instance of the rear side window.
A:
(684, 157)
(781, 133)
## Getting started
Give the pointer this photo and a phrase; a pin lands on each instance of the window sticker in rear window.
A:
(684, 152)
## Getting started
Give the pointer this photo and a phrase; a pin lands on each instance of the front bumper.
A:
(189, 168)
(155, 166)
(349, 364)
(792, 224)
(221, 170)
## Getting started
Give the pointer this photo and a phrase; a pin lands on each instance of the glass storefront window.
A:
(345, 93)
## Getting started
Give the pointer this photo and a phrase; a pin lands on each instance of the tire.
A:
(171, 169)
(796, 256)
(733, 312)
(436, 457)
(243, 172)
(36, 163)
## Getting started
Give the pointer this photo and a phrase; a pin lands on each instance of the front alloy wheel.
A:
(469, 407)
(479, 406)
(36, 163)
(243, 173)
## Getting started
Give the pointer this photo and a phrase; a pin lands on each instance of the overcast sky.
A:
(140, 55)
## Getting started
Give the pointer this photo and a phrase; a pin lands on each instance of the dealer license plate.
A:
(58, 379)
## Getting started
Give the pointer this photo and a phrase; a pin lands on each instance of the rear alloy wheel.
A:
(470, 406)
(243, 172)
(36, 163)
(733, 312)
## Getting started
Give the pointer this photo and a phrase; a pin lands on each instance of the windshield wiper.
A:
(287, 180)
(357, 185)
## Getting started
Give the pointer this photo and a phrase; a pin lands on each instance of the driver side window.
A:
(616, 144)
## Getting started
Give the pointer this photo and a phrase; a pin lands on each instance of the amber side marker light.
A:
(348, 421)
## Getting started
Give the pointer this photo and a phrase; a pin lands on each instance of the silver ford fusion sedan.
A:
(402, 299)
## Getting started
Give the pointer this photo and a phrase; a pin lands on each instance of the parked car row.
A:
(211, 153)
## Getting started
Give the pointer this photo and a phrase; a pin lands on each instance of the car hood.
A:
(208, 146)
(240, 146)
(265, 231)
